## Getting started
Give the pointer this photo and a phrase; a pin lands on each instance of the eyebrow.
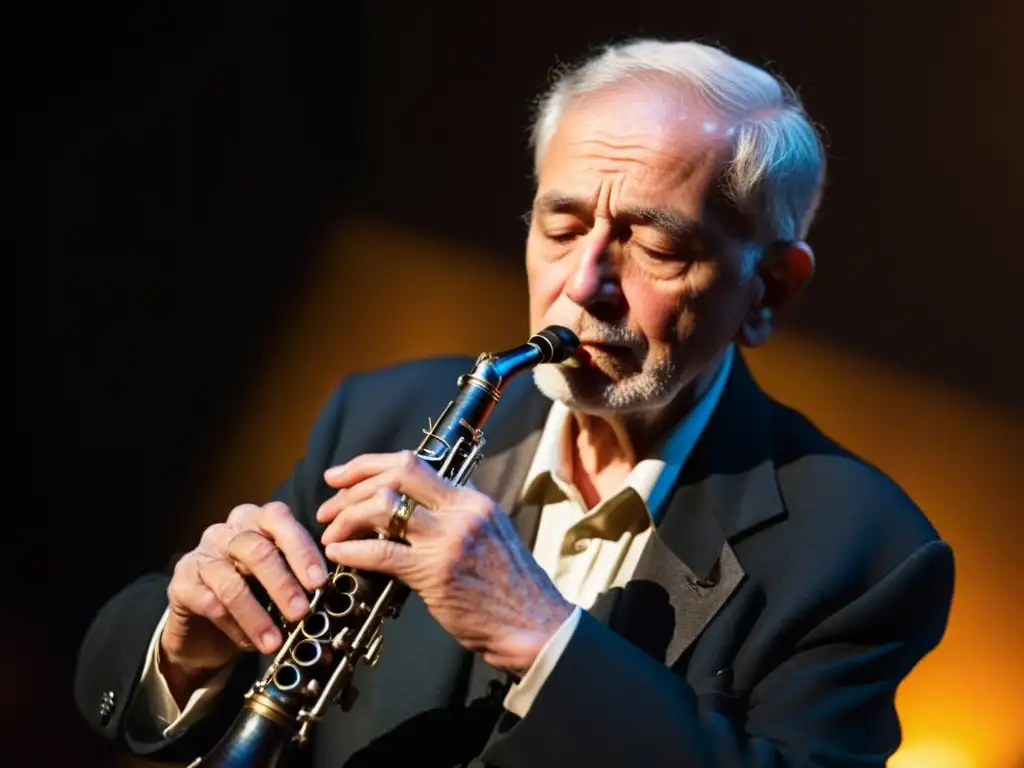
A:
(672, 223)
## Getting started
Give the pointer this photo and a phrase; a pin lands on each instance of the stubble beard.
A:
(589, 390)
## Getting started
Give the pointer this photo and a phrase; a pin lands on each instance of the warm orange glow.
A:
(932, 754)
(962, 460)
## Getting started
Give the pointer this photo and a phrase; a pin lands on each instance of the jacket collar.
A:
(728, 488)
(725, 489)
(689, 569)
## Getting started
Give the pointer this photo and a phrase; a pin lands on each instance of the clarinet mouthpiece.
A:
(557, 343)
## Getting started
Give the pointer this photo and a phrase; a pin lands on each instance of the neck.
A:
(612, 442)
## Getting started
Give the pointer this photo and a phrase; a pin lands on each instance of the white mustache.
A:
(613, 335)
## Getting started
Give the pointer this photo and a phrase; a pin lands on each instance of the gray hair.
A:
(777, 170)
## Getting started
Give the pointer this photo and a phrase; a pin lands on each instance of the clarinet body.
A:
(345, 622)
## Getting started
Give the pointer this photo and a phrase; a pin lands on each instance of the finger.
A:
(361, 467)
(379, 555)
(215, 539)
(188, 595)
(402, 472)
(333, 506)
(369, 464)
(359, 492)
(296, 543)
(263, 559)
(221, 578)
(244, 515)
(372, 514)
(327, 511)
(362, 517)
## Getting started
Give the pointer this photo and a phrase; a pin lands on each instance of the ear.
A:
(783, 273)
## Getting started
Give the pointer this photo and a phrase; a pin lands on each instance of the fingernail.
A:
(335, 472)
(269, 641)
(298, 605)
(317, 575)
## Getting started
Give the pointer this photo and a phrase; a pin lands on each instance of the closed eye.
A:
(662, 252)
(562, 237)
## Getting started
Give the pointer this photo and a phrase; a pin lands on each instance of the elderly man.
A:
(657, 564)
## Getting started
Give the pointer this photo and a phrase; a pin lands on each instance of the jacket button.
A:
(106, 706)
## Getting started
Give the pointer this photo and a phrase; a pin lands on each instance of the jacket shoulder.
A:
(846, 528)
(409, 378)
(843, 502)
(385, 409)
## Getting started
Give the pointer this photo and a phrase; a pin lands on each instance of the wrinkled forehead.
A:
(654, 112)
(658, 139)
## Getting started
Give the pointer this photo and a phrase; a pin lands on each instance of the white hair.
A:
(777, 169)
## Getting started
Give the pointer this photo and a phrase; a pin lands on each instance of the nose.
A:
(594, 282)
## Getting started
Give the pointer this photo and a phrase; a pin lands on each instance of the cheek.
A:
(653, 312)
(710, 310)
(722, 300)
(692, 312)
(545, 282)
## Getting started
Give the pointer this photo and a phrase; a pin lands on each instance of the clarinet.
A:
(345, 622)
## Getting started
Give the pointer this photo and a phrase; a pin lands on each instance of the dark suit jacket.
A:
(789, 589)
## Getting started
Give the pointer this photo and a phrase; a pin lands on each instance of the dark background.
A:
(174, 164)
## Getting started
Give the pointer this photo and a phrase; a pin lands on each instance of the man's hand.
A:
(212, 613)
(463, 558)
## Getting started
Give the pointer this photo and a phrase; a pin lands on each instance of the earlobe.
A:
(756, 328)
(783, 273)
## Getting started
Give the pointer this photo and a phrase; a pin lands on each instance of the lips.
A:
(605, 346)
(587, 350)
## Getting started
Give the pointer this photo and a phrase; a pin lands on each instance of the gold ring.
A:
(400, 514)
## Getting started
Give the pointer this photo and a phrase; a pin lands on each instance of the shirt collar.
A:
(652, 478)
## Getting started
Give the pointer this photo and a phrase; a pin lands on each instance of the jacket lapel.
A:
(688, 571)
(511, 438)
(501, 476)
(727, 489)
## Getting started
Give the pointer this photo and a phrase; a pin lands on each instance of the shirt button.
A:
(106, 706)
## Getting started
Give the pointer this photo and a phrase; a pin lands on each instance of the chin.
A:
(554, 384)
(590, 391)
